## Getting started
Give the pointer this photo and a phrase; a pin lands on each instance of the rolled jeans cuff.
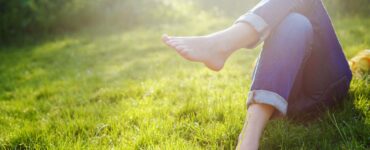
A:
(269, 98)
(258, 23)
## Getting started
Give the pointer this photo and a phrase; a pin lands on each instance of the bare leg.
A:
(214, 49)
(257, 117)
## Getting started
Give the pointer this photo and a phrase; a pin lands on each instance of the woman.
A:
(301, 68)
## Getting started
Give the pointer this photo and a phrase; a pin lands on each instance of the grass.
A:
(126, 90)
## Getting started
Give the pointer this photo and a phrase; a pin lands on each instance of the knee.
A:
(298, 24)
(294, 34)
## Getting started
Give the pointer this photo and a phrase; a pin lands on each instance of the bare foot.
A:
(210, 50)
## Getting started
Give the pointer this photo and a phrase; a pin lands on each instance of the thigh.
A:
(320, 87)
(323, 79)
(326, 75)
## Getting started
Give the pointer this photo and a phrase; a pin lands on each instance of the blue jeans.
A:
(301, 68)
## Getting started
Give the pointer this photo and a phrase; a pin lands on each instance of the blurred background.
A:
(38, 17)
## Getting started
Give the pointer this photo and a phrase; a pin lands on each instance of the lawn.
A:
(123, 89)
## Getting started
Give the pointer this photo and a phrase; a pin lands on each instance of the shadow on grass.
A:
(345, 126)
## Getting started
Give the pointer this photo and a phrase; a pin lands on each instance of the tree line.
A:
(32, 17)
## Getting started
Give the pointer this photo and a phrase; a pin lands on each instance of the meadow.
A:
(108, 88)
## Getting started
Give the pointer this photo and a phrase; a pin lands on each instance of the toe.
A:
(185, 53)
(180, 48)
(165, 38)
(178, 38)
(175, 43)
(168, 40)
(167, 43)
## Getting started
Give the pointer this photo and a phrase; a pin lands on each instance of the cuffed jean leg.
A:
(282, 58)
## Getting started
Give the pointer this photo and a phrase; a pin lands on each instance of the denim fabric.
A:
(302, 60)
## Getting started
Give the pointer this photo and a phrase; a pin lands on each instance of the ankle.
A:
(221, 43)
